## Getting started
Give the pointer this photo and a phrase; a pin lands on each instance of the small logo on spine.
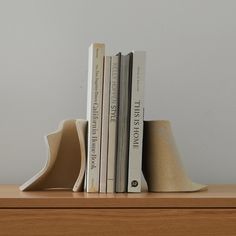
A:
(134, 183)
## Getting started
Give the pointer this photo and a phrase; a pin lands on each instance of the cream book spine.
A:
(136, 122)
(112, 131)
(94, 115)
(105, 122)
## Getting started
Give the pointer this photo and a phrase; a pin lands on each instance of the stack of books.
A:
(115, 121)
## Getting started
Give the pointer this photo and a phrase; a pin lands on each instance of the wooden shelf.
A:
(216, 196)
(211, 212)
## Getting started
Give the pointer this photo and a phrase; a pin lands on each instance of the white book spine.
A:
(105, 122)
(136, 123)
(94, 115)
(112, 131)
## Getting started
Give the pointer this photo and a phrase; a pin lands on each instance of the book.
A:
(94, 115)
(112, 130)
(136, 122)
(123, 125)
(105, 123)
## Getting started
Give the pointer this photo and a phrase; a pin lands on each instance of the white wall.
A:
(191, 74)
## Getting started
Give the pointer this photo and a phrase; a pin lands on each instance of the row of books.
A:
(115, 121)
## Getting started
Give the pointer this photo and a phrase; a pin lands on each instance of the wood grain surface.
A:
(91, 222)
(217, 196)
(207, 213)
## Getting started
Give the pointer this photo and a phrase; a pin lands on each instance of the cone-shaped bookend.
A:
(65, 168)
(162, 165)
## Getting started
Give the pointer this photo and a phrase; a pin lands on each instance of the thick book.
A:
(136, 122)
(105, 124)
(112, 130)
(94, 115)
(123, 125)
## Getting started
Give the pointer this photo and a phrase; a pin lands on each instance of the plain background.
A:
(190, 79)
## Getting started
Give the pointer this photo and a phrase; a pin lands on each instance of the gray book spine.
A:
(123, 125)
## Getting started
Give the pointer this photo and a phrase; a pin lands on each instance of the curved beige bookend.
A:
(162, 165)
(65, 168)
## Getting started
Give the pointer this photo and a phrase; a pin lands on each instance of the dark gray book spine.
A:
(123, 125)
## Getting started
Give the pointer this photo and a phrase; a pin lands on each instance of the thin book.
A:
(105, 124)
(112, 130)
(123, 125)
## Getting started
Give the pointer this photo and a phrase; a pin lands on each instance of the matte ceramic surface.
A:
(65, 168)
(162, 164)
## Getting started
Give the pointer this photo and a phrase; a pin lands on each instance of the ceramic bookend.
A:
(162, 165)
(65, 168)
